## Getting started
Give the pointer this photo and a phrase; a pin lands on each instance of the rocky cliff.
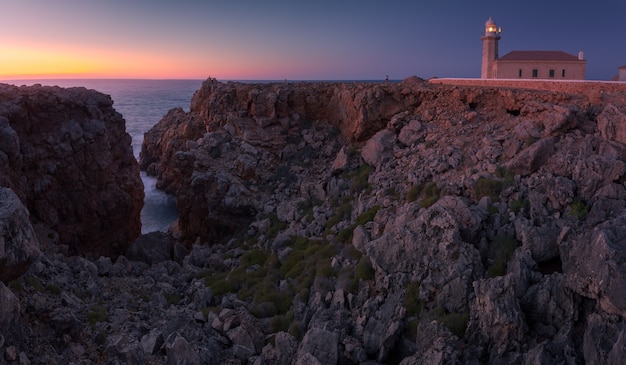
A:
(352, 223)
(495, 211)
(66, 154)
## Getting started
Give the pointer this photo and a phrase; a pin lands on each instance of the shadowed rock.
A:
(19, 246)
(67, 155)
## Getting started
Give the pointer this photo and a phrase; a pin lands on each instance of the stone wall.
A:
(596, 90)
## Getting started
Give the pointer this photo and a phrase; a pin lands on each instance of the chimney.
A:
(581, 55)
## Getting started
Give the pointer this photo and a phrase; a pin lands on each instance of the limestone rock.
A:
(341, 161)
(428, 248)
(499, 320)
(411, 132)
(318, 347)
(592, 265)
(378, 148)
(70, 161)
(151, 248)
(9, 307)
(611, 123)
(533, 157)
(19, 246)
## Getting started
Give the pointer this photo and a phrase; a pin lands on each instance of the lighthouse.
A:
(490, 48)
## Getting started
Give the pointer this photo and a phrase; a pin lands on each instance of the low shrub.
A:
(501, 251)
(359, 178)
(172, 298)
(431, 195)
(35, 283)
(364, 269)
(518, 205)
(456, 322)
(413, 193)
(506, 175)
(281, 322)
(343, 212)
(276, 226)
(367, 216)
(488, 187)
(97, 313)
(306, 207)
(412, 302)
(579, 209)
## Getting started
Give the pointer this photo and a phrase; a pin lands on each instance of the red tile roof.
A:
(538, 56)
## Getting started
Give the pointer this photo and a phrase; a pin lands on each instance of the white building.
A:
(557, 65)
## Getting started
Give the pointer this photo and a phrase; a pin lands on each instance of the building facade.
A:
(550, 65)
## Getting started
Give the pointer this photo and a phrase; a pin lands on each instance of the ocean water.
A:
(142, 103)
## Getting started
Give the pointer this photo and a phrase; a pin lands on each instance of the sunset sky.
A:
(295, 39)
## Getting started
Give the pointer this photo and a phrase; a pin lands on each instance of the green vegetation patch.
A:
(276, 226)
(519, 205)
(270, 286)
(35, 283)
(579, 209)
(412, 302)
(488, 187)
(456, 322)
(500, 251)
(413, 193)
(345, 235)
(430, 194)
(97, 313)
(359, 178)
(306, 207)
(493, 187)
(343, 212)
(364, 269)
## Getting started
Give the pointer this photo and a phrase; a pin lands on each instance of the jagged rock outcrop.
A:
(19, 246)
(474, 205)
(66, 154)
(244, 129)
(357, 223)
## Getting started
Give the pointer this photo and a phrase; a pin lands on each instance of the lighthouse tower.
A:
(490, 48)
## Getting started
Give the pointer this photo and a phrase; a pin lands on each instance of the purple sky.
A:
(298, 39)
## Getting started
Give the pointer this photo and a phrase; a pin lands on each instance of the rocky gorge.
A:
(320, 223)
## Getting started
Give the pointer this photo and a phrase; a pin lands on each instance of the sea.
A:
(142, 103)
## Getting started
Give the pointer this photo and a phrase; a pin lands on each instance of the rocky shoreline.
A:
(340, 223)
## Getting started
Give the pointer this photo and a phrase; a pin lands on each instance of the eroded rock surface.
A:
(19, 246)
(357, 223)
(66, 154)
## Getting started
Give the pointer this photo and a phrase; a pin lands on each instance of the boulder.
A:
(151, 248)
(532, 157)
(612, 123)
(593, 264)
(378, 148)
(425, 246)
(9, 307)
(496, 319)
(179, 351)
(318, 346)
(19, 246)
(411, 133)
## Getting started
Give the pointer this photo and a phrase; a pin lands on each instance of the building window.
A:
(534, 72)
(563, 73)
(551, 73)
(519, 74)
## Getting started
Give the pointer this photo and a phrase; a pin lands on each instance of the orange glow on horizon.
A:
(36, 61)
(33, 60)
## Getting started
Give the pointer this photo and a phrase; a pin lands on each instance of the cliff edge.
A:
(405, 222)
(66, 154)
